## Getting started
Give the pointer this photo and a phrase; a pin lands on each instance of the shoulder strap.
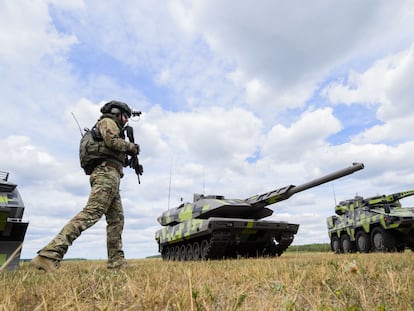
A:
(95, 133)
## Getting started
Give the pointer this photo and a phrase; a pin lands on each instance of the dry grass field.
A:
(294, 281)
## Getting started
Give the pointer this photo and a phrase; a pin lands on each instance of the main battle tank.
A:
(378, 223)
(12, 228)
(213, 227)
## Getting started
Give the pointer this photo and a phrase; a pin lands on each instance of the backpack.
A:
(93, 151)
(89, 154)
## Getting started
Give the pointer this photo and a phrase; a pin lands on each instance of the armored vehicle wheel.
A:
(400, 248)
(183, 252)
(196, 251)
(189, 252)
(204, 249)
(170, 252)
(346, 244)
(382, 240)
(165, 253)
(177, 253)
(363, 242)
(336, 245)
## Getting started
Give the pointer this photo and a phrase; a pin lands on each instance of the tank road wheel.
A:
(189, 252)
(183, 253)
(177, 253)
(204, 249)
(336, 245)
(401, 248)
(170, 253)
(196, 251)
(363, 242)
(383, 240)
(346, 244)
(165, 253)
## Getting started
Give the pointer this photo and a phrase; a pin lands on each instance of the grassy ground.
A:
(294, 281)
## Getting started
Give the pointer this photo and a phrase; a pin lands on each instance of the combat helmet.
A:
(116, 107)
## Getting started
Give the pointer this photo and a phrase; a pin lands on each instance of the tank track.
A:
(284, 242)
(218, 245)
(222, 244)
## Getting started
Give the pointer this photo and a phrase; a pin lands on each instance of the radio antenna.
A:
(80, 130)
(334, 194)
(169, 186)
(204, 183)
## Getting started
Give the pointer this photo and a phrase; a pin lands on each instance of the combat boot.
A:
(118, 265)
(45, 264)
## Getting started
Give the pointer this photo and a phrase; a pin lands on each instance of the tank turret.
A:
(378, 223)
(215, 227)
(12, 228)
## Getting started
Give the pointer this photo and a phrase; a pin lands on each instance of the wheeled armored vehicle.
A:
(213, 227)
(378, 223)
(12, 227)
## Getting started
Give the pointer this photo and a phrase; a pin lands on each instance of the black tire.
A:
(189, 252)
(177, 253)
(196, 251)
(183, 253)
(383, 240)
(336, 244)
(204, 249)
(401, 248)
(170, 251)
(363, 242)
(165, 254)
(346, 244)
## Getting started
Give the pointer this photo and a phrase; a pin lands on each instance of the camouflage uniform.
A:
(104, 199)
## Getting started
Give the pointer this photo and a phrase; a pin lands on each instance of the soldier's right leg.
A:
(115, 225)
(101, 196)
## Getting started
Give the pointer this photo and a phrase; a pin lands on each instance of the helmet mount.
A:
(117, 108)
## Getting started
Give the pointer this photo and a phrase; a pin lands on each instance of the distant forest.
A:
(321, 247)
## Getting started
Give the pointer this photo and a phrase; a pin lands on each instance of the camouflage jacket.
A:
(104, 143)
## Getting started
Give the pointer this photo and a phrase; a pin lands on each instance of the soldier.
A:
(108, 159)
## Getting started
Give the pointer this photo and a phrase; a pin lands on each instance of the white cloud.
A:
(24, 155)
(302, 138)
(207, 135)
(28, 35)
(288, 48)
(385, 84)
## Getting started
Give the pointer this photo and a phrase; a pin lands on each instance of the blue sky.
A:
(238, 98)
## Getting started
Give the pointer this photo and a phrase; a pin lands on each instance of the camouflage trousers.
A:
(104, 199)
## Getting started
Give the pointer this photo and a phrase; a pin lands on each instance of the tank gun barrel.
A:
(286, 192)
(390, 198)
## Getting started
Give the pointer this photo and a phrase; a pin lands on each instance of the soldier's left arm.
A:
(111, 136)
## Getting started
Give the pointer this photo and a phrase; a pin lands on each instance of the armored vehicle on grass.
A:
(12, 228)
(378, 223)
(213, 227)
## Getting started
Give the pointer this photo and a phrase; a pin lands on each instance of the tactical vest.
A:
(93, 151)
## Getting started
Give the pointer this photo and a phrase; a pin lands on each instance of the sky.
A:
(237, 98)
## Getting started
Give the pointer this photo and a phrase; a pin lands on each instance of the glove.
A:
(134, 149)
(140, 169)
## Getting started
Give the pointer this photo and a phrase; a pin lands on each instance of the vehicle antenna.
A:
(204, 183)
(334, 194)
(169, 186)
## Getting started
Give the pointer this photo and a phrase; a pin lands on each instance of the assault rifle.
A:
(133, 162)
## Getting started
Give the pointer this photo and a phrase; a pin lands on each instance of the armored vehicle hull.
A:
(217, 238)
(378, 223)
(12, 228)
(213, 227)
